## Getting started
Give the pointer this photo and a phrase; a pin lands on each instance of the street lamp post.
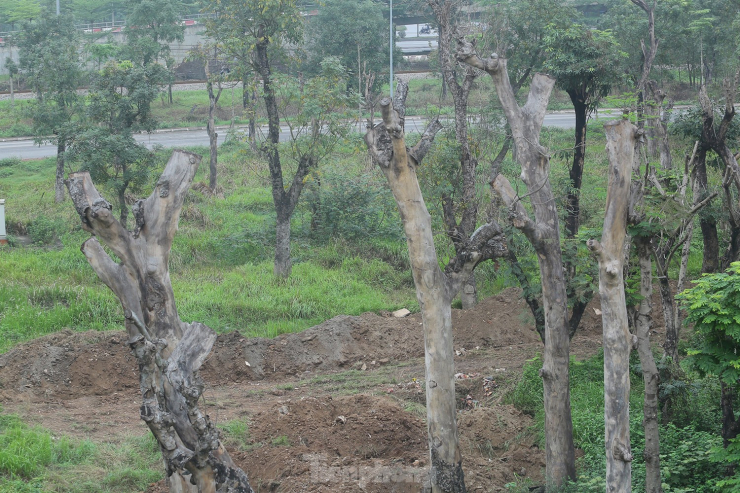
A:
(390, 18)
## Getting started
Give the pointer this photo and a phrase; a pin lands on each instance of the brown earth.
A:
(339, 401)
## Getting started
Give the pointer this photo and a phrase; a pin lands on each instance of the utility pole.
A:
(390, 19)
(57, 7)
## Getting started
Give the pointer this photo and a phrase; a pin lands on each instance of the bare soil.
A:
(337, 407)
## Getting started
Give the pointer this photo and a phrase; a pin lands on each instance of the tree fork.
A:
(434, 288)
(169, 352)
(543, 233)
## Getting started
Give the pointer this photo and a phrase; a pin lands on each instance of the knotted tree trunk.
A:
(620, 146)
(435, 289)
(543, 234)
(169, 351)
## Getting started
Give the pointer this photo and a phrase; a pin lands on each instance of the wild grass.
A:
(33, 459)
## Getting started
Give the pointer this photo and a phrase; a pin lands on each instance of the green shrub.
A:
(9, 161)
(44, 230)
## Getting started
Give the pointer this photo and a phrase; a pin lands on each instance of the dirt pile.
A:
(69, 364)
(358, 443)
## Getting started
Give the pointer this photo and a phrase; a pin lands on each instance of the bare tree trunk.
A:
(59, 183)
(284, 201)
(543, 233)
(572, 208)
(169, 351)
(434, 288)
(283, 265)
(650, 375)
(400, 169)
(620, 145)
(458, 232)
(213, 97)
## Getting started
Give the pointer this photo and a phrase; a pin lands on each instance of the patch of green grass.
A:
(281, 441)
(25, 452)
(33, 459)
(235, 434)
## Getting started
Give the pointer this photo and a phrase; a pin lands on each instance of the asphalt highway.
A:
(27, 149)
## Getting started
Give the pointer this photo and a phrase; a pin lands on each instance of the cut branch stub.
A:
(169, 352)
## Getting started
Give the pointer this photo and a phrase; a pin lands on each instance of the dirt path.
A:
(338, 407)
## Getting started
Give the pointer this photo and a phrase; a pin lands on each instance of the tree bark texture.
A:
(434, 288)
(543, 233)
(213, 97)
(715, 137)
(572, 207)
(650, 375)
(59, 183)
(659, 112)
(169, 351)
(708, 224)
(467, 208)
(620, 145)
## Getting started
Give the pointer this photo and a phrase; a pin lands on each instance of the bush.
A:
(9, 161)
(44, 230)
(353, 209)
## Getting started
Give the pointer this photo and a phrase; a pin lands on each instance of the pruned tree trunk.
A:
(434, 288)
(543, 233)
(620, 145)
(169, 352)
(650, 375)
(59, 183)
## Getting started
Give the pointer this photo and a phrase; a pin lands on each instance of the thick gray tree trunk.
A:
(544, 235)
(620, 146)
(169, 351)
(434, 288)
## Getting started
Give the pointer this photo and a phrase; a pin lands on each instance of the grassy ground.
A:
(33, 460)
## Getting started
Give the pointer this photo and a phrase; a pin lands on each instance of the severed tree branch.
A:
(486, 243)
(517, 213)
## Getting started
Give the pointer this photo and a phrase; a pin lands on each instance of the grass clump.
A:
(235, 433)
(32, 459)
(26, 451)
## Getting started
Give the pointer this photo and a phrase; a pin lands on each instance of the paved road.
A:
(26, 149)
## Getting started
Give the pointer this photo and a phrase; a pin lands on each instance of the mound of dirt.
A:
(364, 443)
(69, 364)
